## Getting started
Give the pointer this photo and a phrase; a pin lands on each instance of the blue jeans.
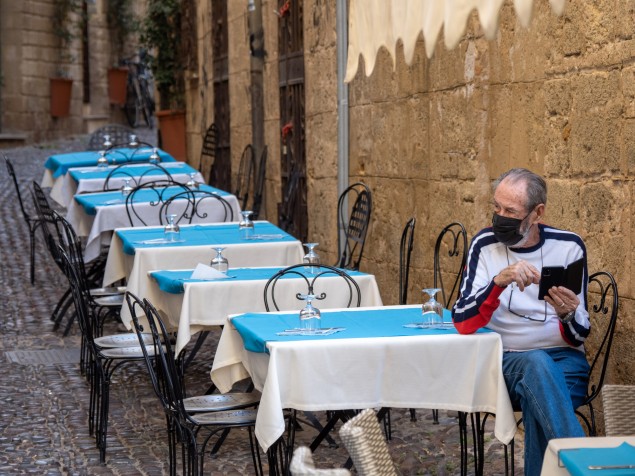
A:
(547, 385)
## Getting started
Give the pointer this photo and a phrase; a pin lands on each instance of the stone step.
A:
(12, 139)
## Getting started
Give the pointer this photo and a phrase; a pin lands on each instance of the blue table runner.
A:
(90, 201)
(256, 329)
(171, 281)
(136, 171)
(199, 235)
(578, 460)
(60, 163)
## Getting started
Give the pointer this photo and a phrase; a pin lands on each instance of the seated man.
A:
(544, 364)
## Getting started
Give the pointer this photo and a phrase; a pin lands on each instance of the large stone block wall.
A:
(429, 138)
(556, 98)
(31, 55)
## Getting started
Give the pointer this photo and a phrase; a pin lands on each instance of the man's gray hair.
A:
(536, 186)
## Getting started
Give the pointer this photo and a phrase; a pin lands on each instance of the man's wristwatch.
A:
(567, 318)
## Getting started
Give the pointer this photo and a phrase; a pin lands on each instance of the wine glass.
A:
(246, 226)
(127, 188)
(102, 161)
(172, 231)
(311, 257)
(219, 262)
(192, 183)
(133, 141)
(432, 311)
(310, 317)
(107, 141)
(154, 157)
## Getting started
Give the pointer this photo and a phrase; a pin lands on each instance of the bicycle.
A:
(139, 97)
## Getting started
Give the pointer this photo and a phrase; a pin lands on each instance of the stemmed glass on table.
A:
(102, 161)
(246, 226)
(127, 188)
(192, 183)
(310, 317)
(172, 231)
(219, 262)
(311, 257)
(431, 310)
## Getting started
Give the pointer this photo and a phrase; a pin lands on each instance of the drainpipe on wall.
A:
(257, 61)
(342, 101)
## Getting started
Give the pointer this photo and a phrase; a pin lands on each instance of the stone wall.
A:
(31, 54)
(429, 138)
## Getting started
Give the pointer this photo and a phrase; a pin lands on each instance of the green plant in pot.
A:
(161, 35)
(64, 28)
(122, 22)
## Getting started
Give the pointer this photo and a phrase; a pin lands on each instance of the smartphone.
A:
(570, 277)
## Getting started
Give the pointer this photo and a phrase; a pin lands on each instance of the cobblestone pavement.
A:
(44, 399)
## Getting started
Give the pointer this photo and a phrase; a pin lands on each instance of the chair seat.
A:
(226, 418)
(115, 300)
(125, 352)
(122, 340)
(215, 403)
(108, 291)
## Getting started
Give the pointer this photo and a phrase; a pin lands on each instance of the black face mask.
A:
(507, 230)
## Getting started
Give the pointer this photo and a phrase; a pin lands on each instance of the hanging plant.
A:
(161, 35)
(122, 22)
(64, 29)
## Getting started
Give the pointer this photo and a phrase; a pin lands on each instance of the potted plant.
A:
(121, 23)
(61, 84)
(161, 35)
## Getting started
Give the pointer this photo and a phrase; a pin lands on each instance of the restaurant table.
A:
(194, 305)
(134, 252)
(374, 362)
(92, 179)
(57, 165)
(96, 215)
(553, 466)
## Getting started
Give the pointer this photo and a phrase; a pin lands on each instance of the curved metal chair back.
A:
(118, 135)
(208, 150)
(311, 279)
(201, 205)
(246, 178)
(31, 222)
(603, 303)
(356, 227)
(405, 250)
(122, 171)
(260, 183)
(148, 194)
(453, 264)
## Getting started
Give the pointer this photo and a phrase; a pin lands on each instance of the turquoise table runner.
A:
(172, 281)
(135, 171)
(199, 235)
(90, 201)
(60, 163)
(256, 329)
(581, 461)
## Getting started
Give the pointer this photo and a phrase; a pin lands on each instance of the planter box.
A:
(117, 82)
(172, 130)
(61, 92)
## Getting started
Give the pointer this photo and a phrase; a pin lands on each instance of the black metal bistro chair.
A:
(117, 134)
(355, 226)
(31, 222)
(123, 171)
(152, 194)
(187, 418)
(196, 204)
(450, 256)
(246, 178)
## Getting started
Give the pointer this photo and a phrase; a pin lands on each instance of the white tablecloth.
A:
(207, 304)
(444, 371)
(99, 227)
(550, 466)
(65, 187)
(135, 267)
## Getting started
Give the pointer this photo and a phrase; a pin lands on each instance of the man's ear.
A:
(540, 212)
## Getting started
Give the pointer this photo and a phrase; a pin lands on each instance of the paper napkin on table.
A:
(203, 271)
